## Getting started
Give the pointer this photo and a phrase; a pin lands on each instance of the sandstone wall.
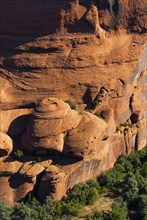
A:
(55, 51)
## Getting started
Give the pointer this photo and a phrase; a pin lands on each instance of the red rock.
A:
(72, 51)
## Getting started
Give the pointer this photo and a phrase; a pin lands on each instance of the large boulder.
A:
(53, 126)
(6, 144)
(14, 121)
(86, 136)
(47, 125)
(53, 183)
(17, 179)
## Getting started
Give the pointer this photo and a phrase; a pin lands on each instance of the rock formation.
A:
(6, 145)
(90, 52)
(53, 126)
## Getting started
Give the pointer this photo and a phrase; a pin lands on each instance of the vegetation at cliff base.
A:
(125, 184)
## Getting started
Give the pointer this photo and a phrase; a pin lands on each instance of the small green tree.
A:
(119, 210)
(131, 189)
(142, 206)
(40, 209)
(96, 215)
(92, 196)
(22, 212)
(5, 211)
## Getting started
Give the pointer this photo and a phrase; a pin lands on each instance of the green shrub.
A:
(96, 215)
(111, 178)
(92, 196)
(143, 155)
(142, 206)
(94, 103)
(119, 210)
(98, 114)
(143, 170)
(120, 128)
(131, 189)
(44, 211)
(84, 194)
(18, 154)
(128, 177)
(22, 212)
(5, 211)
(71, 104)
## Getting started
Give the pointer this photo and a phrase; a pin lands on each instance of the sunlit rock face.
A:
(54, 127)
(90, 52)
(6, 145)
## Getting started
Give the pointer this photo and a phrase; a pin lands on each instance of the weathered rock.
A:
(112, 14)
(15, 187)
(31, 170)
(78, 51)
(51, 118)
(105, 112)
(14, 121)
(17, 179)
(85, 137)
(6, 144)
(53, 183)
(141, 139)
(9, 167)
(130, 139)
(93, 18)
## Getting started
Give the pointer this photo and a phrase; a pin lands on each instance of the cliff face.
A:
(43, 17)
(90, 53)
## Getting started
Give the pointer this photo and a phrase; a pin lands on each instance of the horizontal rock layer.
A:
(93, 54)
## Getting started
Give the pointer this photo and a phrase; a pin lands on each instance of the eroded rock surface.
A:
(90, 52)
(6, 144)
(53, 126)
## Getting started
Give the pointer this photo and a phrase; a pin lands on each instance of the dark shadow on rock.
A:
(64, 160)
(87, 99)
(18, 126)
(31, 18)
(17, 180)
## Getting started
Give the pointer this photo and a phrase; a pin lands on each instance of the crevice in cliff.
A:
(125, 140)
(13, 68)
(136, 142)
(34, 193)
(131, 102)
(40, 50)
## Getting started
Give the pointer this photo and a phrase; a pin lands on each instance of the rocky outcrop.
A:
(14, 121)
(90, 52)
(81, 145)
(53, 126)
(49, 16)
(71, 68)
(6, 144)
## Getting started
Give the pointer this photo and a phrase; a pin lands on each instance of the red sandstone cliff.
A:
(87, 52)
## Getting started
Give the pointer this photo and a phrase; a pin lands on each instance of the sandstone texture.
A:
(53, 126)
(6, 144)
(92, 53)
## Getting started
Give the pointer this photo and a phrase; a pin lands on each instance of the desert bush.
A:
(71, 104)
(119, 210)
(18, 154)
(5, 211)
(96, 215)
(131, 189)
(94, 103)
(142, 206)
